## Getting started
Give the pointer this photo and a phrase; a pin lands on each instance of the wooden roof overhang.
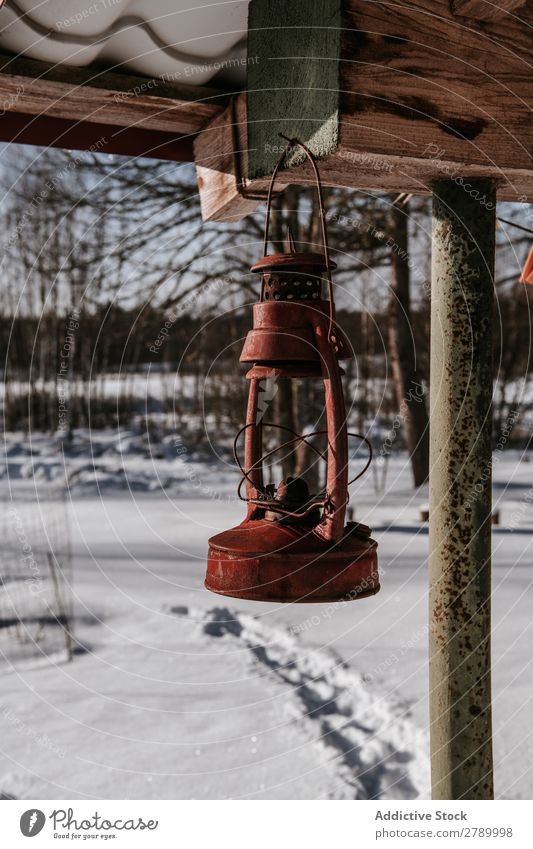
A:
(390, 95)
(94, 109)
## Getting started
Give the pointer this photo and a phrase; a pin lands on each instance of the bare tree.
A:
(402, 348)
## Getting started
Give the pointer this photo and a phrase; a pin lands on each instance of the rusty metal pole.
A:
(460, 488)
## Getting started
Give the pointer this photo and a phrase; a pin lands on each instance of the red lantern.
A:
(292, 546)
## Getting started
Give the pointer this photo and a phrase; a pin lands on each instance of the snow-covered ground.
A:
(177, 693)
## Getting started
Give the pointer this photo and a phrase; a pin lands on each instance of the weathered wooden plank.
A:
(416, 81)
(221, 157)
(33, 88)
(293, 80)
(221, 191)
(485, 10)
(101, 138)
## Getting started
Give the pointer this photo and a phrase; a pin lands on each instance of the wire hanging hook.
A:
(332, 336)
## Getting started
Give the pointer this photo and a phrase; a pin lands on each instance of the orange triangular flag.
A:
(527, 273)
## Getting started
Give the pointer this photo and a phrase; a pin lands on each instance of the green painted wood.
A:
(293, 79)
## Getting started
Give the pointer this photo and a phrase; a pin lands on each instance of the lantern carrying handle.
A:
(332, 337)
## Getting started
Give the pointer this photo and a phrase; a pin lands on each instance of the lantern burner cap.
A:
(292, 504)
(293, 492)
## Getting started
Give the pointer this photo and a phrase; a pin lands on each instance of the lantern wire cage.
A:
(266, 498)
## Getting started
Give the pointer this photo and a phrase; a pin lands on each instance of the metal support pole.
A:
(460, 488)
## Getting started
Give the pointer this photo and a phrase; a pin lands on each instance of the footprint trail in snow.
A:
(379, 753)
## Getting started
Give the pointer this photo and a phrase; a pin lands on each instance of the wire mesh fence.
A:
(35, 575)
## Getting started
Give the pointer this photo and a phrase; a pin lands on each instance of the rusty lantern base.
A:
(263, 560)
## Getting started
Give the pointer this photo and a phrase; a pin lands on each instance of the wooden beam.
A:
(485, 10)
(225, 196)
(221, 158)
(101, 97)
(102, 138)
(422, 96)
(416, 82)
